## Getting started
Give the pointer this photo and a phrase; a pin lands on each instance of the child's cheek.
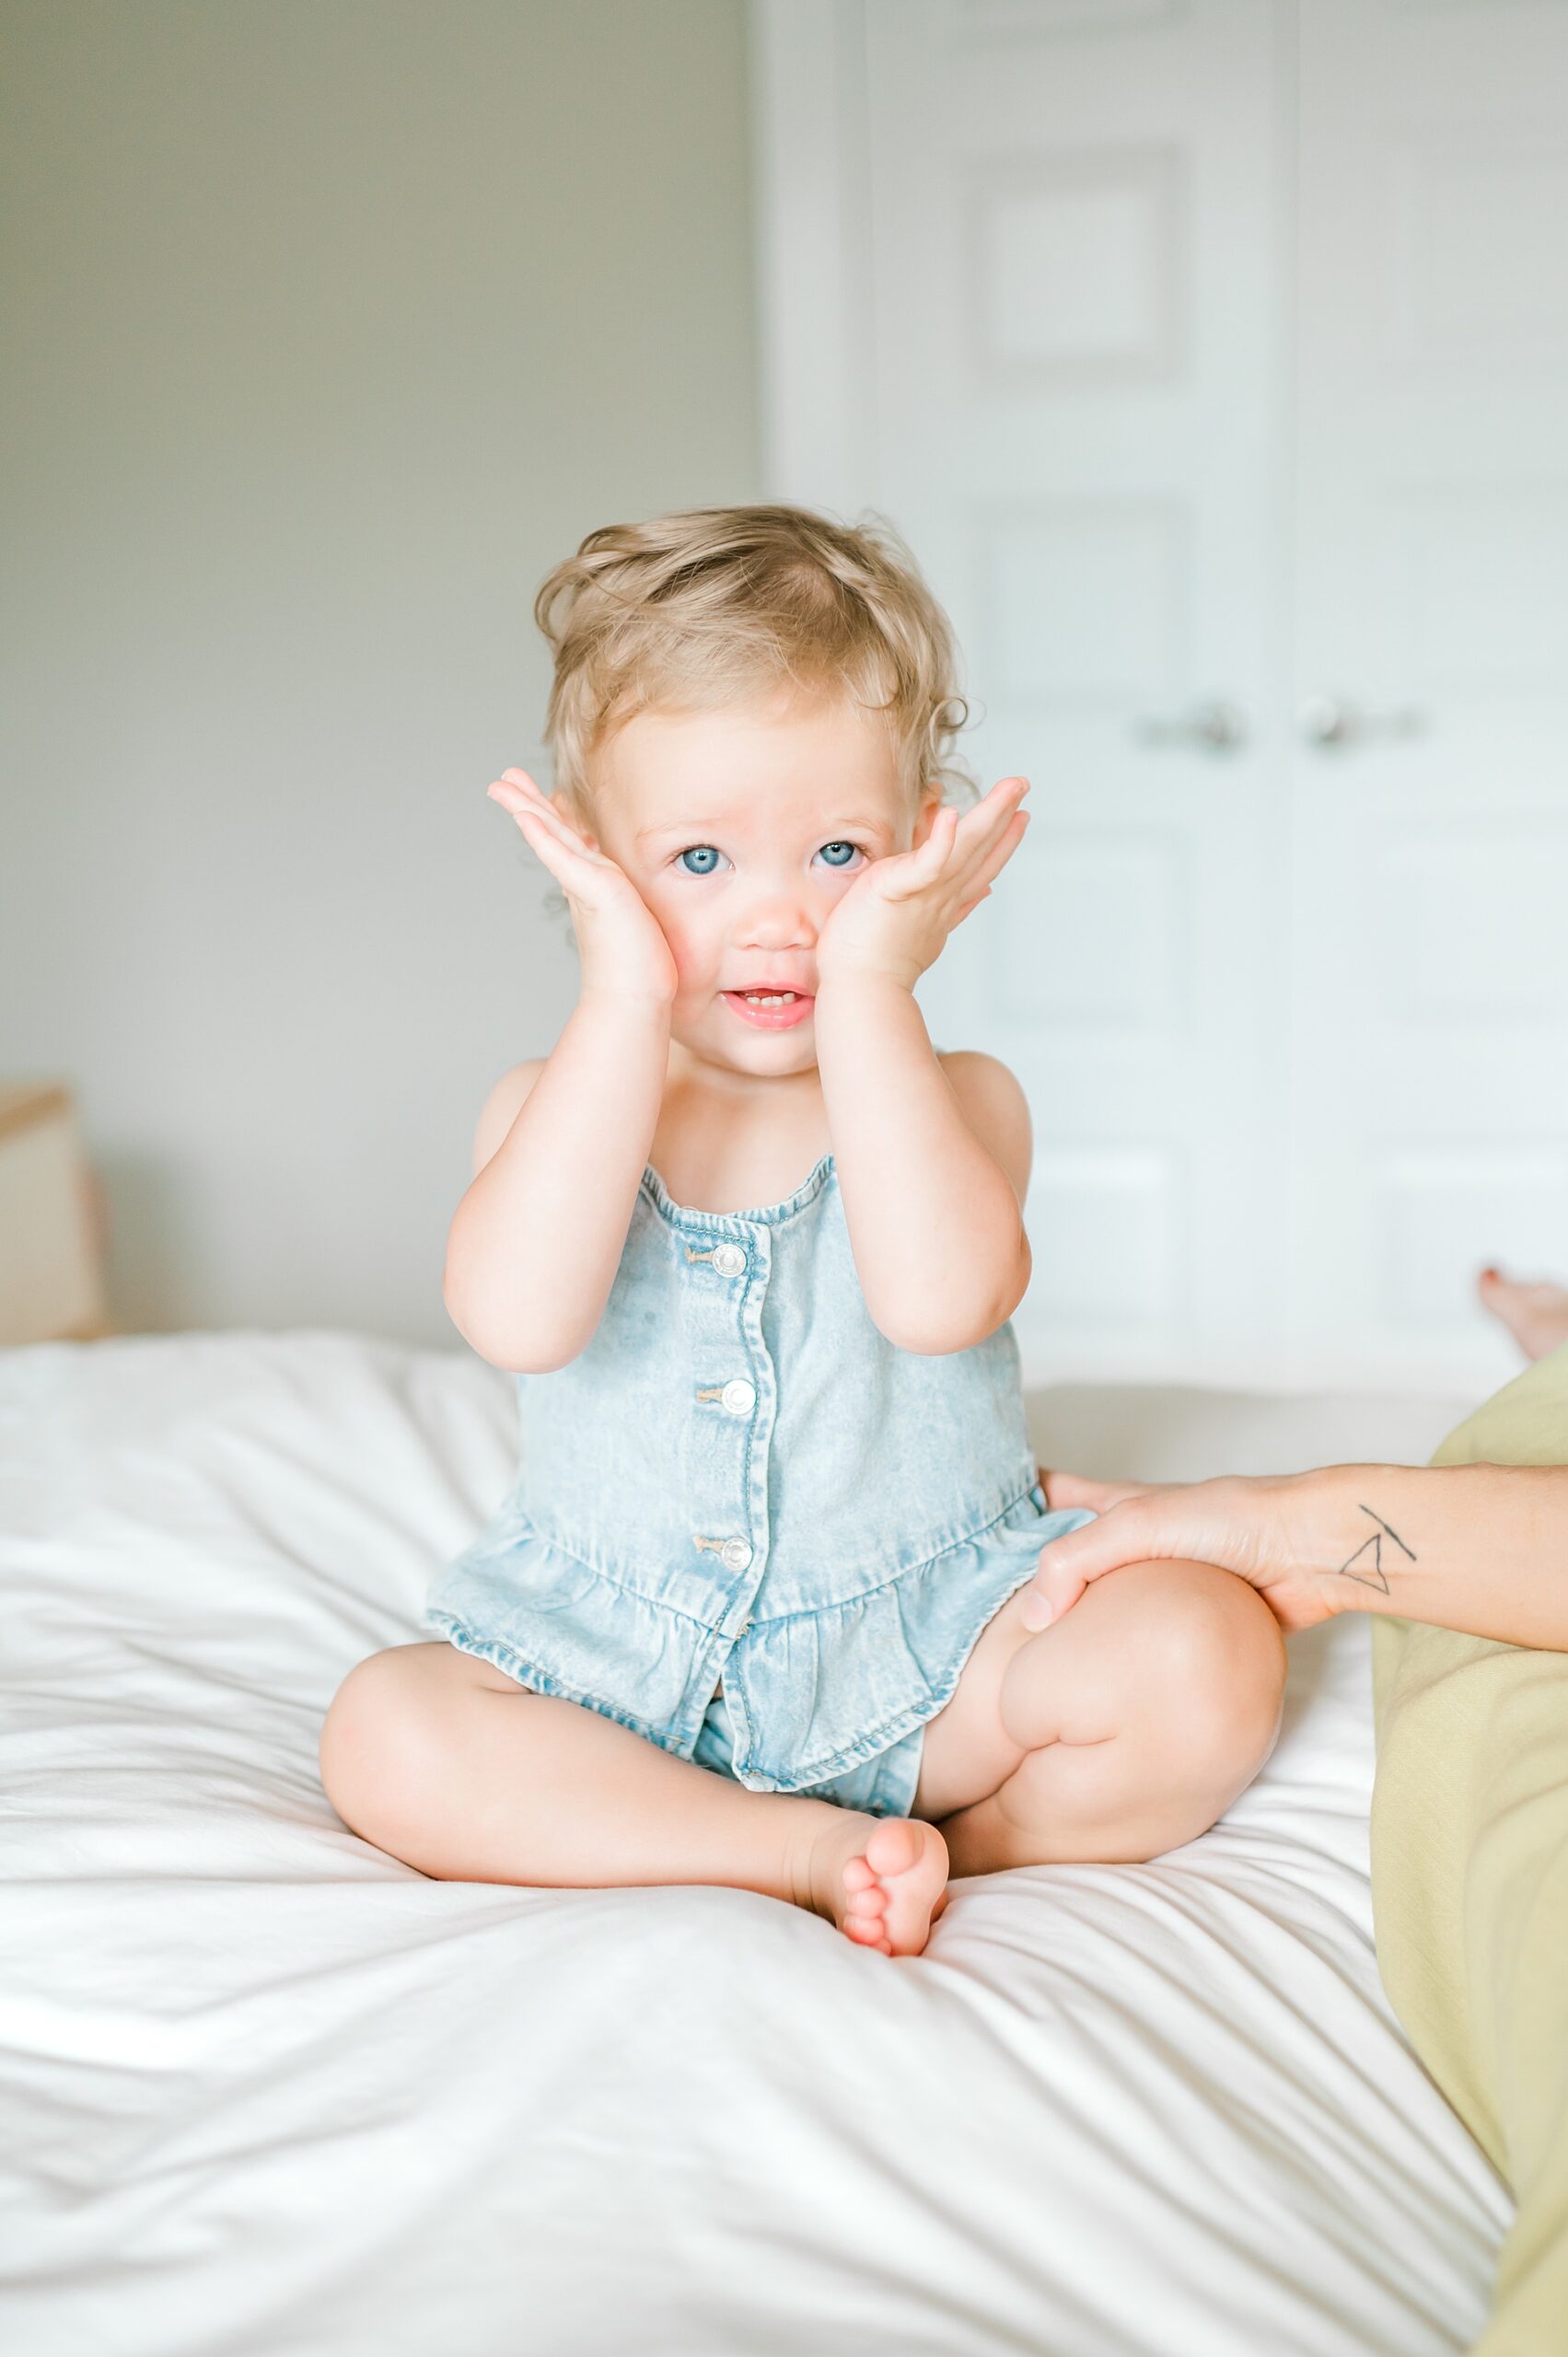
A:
(689, 947)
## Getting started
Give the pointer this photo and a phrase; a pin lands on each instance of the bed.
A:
(265, 2090)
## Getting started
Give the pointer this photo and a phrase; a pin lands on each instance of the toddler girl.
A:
(750, 1614)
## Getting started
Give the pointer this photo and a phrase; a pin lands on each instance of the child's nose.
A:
(780, 919)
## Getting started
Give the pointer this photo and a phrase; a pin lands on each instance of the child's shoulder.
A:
(501, 1109)
(995, 1106)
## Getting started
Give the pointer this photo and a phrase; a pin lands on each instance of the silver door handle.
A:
(1333, 726)
(1214, 726)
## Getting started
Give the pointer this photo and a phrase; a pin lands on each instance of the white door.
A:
(1429, 788)
(1031, 270)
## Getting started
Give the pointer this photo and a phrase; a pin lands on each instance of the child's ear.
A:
(926, 818)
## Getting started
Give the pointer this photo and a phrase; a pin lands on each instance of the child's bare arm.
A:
(537, 1239)
(932, 1164)
(933, 1160)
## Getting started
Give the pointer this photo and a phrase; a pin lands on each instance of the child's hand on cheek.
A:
(898, 911)
(624, 952)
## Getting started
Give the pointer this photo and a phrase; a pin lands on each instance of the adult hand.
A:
(1283, 1534)
(898, 911)
(624, 952)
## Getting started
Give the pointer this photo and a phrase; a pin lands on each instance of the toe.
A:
(893, 1847)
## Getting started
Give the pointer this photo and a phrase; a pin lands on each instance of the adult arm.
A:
(1481, 1549)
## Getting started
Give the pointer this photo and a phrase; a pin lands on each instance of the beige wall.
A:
(332, 325)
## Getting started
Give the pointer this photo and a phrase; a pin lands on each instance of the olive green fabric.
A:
(1469, 1882)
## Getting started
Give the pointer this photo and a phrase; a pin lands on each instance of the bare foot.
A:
(1536, 1315)
(883, 1880)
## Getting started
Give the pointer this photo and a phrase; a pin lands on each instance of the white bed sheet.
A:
(266, 2090)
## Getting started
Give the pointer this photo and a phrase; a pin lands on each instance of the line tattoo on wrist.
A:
(1365, 1566)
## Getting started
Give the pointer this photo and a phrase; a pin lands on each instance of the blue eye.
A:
(702, 859)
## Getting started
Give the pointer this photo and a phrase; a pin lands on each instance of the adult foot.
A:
(883, 1880)
(1536, 1315)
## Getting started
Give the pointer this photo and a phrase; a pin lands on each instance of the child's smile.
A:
(771, 1011)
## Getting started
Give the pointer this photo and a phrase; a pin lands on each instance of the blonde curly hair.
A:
(702, 608)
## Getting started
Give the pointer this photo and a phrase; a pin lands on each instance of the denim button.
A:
(735, 1554)
(739, 1397)
(728, 1259)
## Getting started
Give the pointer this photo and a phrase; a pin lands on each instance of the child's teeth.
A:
(770, 998)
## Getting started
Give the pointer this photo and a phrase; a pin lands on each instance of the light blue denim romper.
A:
(741, 1478)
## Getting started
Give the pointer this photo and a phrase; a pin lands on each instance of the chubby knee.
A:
(1215, 1656)
(374, 1746)
(1184, 1659)
(1146, 1712)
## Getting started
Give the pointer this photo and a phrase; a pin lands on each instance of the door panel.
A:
(1075, 230)
(1431, 841)
(1213, 356)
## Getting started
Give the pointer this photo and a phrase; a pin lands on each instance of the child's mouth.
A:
(770, 1010)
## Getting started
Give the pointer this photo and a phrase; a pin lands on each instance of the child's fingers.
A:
(517, 789)
(545, 846)
(991, 866)
(1003, 798)
(997, 807)
(938, 844)
(519, 805)
(910, 872)
(537, 827)
(988, 852)
(933, 854)
(990, 818)
(971, 864)
(570, 865)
